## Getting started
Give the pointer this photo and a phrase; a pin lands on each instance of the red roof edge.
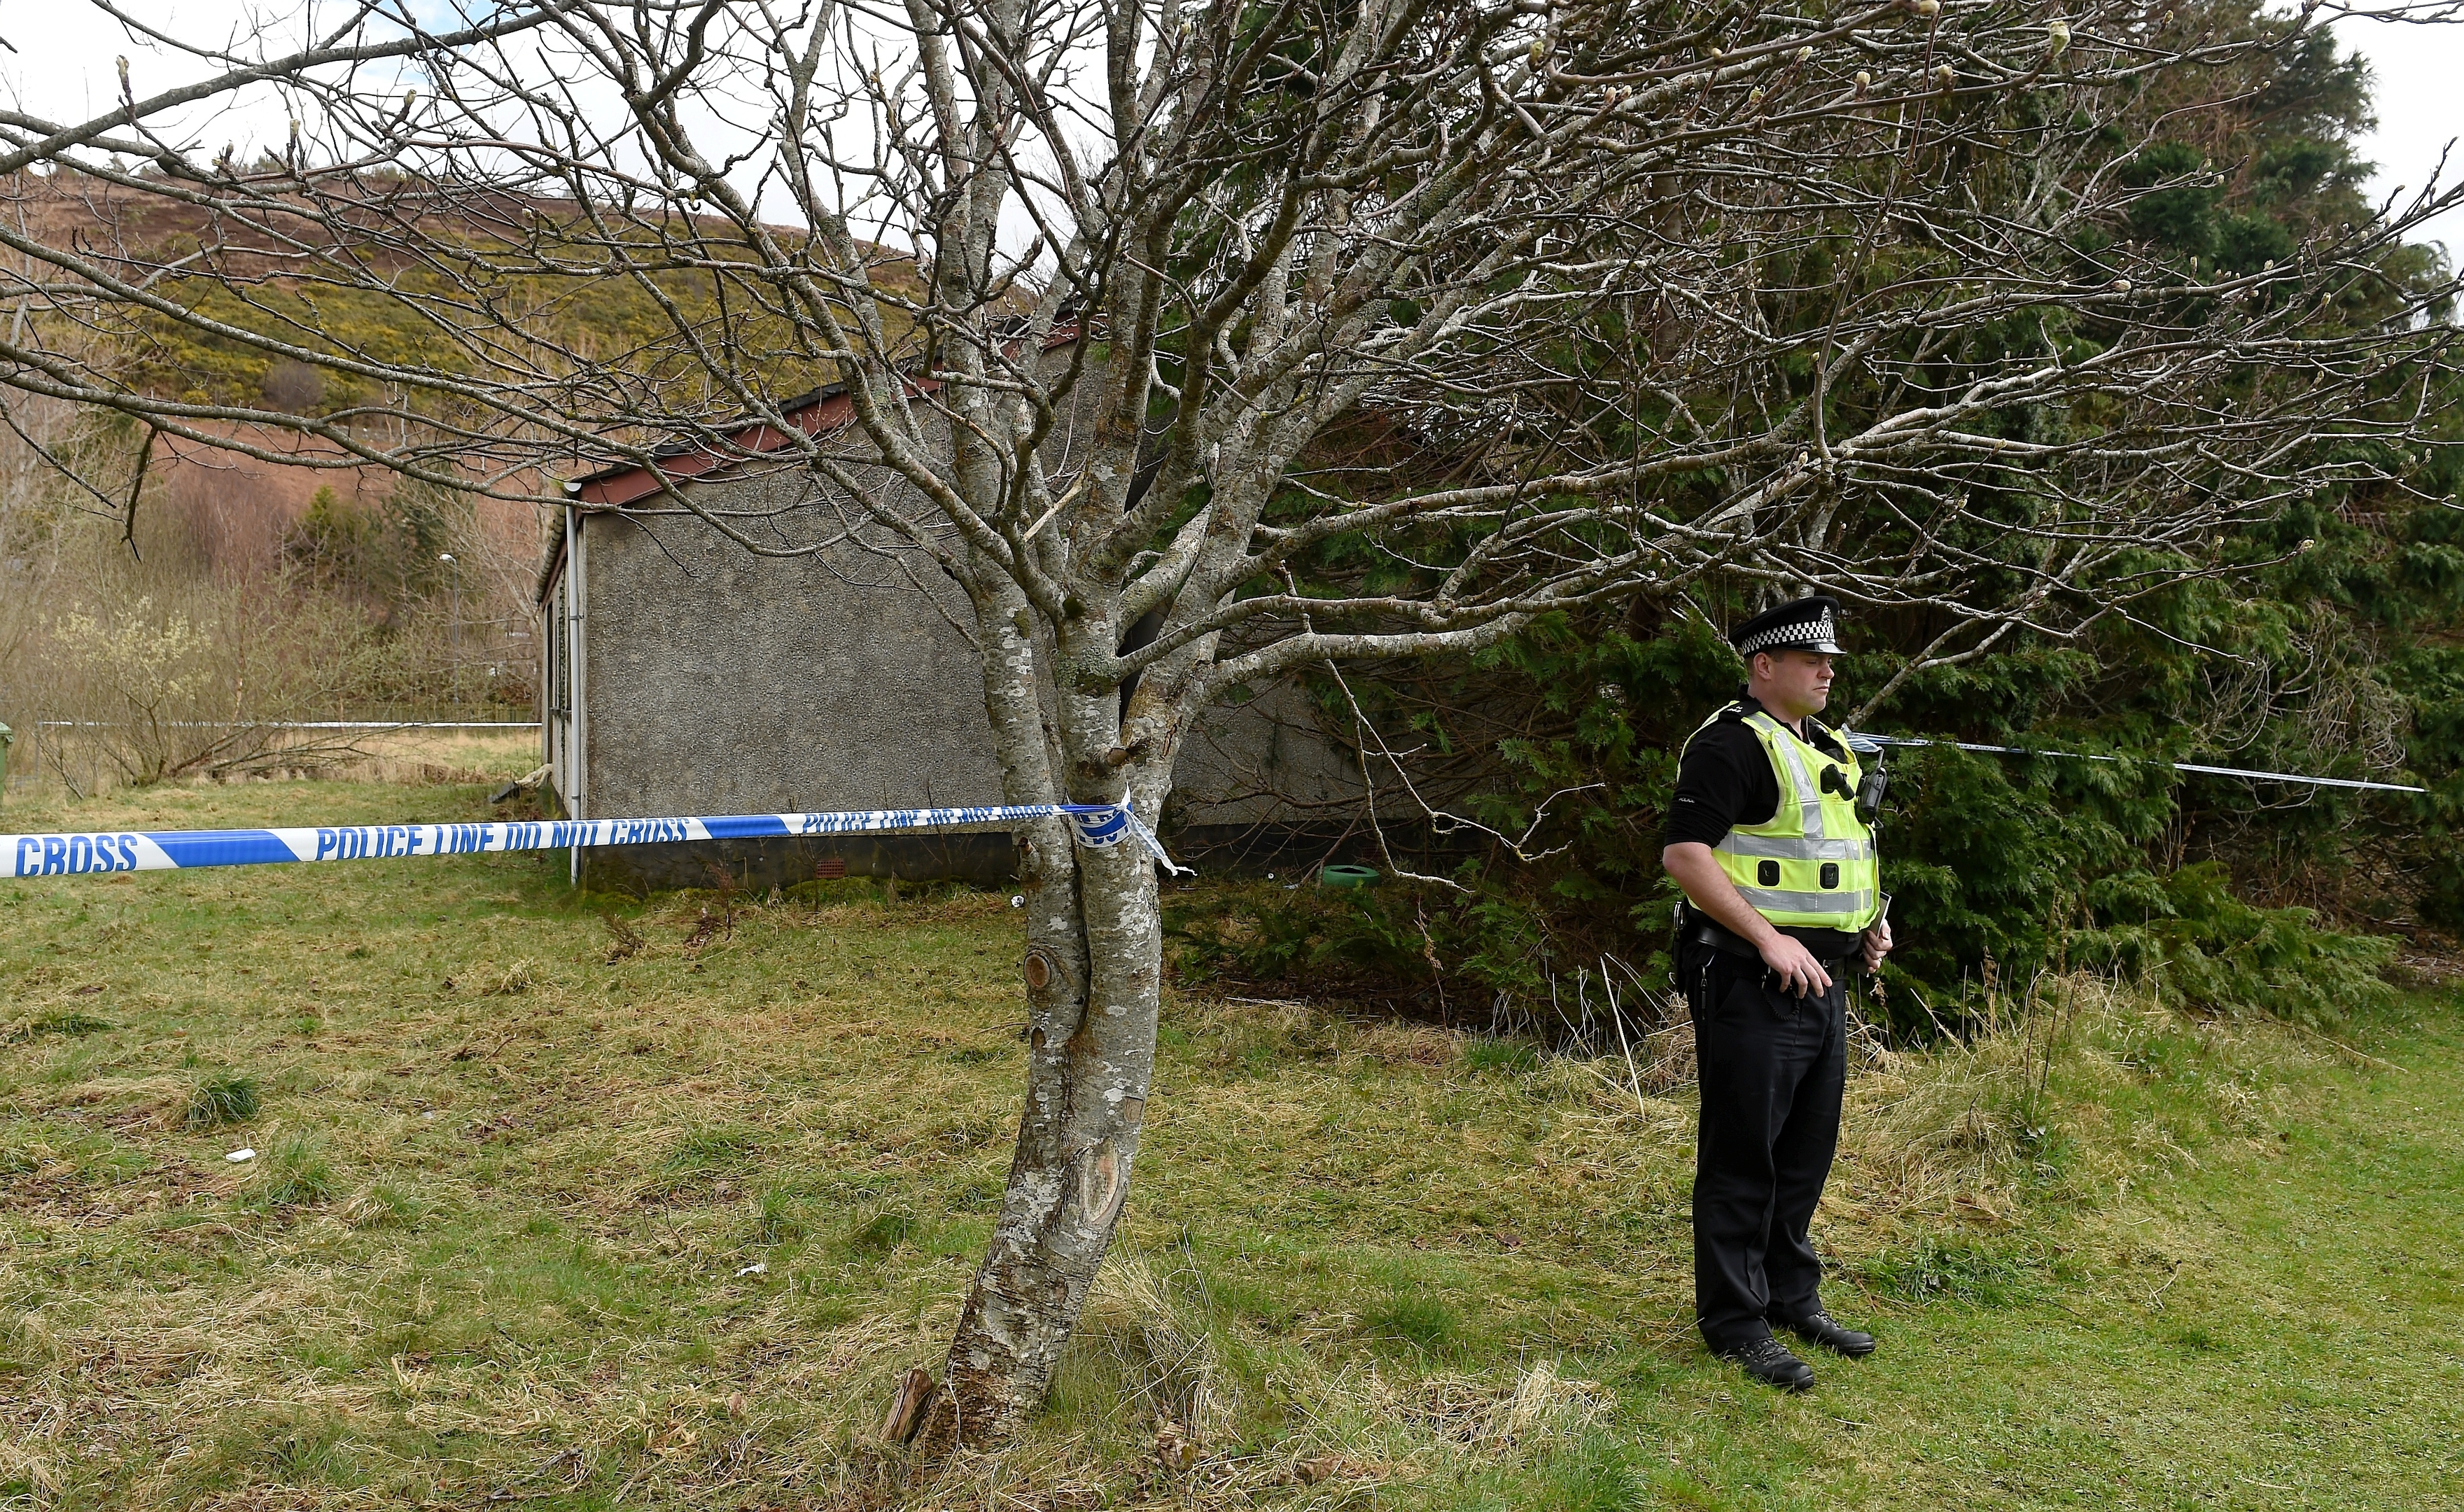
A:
(827, 410)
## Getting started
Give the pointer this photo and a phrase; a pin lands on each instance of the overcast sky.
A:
(63, 65)
(2420, 98)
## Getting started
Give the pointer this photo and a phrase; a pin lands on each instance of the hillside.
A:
(339, 572)
(462, 280)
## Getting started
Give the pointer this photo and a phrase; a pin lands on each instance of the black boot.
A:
(1766, 1360)
(1820, 1327)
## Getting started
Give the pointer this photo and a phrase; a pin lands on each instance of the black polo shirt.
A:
(1725, 780)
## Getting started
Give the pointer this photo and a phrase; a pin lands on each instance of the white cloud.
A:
(2417, 70)
(64, 63)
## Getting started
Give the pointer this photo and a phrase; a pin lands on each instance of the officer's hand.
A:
(1796, 968)
(1877, 944)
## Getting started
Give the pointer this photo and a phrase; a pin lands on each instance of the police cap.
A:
(1810, 624)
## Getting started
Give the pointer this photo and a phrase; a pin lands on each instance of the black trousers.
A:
(1771, 1067)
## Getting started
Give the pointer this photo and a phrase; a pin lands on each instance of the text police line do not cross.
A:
(1096, 825)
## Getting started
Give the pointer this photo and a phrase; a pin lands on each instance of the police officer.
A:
(1783, 894)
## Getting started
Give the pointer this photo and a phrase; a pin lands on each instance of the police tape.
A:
(1096, 825)
(2296, 778)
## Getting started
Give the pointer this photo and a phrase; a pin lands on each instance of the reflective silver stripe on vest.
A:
(1809, 798)
(1770, 900)
(1788, 849)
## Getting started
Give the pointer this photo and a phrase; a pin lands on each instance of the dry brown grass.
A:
(499, 1238)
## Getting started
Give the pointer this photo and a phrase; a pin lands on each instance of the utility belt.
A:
(1701, 929)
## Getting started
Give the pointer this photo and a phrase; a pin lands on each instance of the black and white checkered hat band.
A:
(1803, 633)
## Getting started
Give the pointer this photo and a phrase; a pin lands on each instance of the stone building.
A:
(686, 675)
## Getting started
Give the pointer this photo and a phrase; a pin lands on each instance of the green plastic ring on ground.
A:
(1349, 877)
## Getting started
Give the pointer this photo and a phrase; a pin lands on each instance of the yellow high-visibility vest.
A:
(1812, 862)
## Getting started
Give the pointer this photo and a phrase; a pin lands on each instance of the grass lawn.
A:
(540, 1213)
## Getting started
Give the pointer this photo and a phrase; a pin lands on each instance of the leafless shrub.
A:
(135, 690)
(127, 656)
(293, 386)
(624, 941)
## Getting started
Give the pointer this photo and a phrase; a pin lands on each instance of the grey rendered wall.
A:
(719, 682)
(1261, 758)
(725, 682)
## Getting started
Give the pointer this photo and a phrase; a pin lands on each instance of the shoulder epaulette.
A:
(1733, 713)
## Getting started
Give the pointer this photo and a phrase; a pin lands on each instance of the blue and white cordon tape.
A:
(1097, 824)
(1866, 744)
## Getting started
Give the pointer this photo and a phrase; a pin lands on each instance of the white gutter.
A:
(576, 719)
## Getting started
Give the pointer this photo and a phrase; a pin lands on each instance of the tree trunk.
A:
(1093, 971)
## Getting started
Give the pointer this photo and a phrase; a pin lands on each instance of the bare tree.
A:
(1384, 326)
